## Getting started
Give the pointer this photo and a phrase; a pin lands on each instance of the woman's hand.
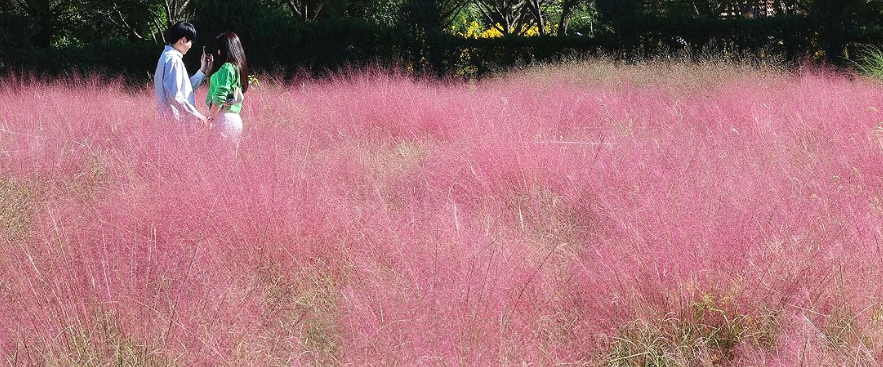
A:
(211, 116)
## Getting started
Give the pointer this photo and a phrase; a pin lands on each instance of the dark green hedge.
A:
(285, 47)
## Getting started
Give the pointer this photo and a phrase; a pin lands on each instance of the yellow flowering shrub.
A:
(476, 30)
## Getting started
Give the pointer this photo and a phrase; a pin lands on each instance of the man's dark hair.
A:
(180, 29)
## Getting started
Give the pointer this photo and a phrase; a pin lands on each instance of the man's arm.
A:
(197, 79)
(204, 63)
(176, 76)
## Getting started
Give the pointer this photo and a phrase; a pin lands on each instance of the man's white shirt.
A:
(174, 90)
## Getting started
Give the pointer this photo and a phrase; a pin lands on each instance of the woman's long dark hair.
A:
(231, 51)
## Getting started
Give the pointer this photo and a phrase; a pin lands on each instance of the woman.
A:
(228, 82)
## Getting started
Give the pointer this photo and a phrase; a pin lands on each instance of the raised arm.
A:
(204, 63)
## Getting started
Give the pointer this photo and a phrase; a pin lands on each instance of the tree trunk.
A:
(566, 13)
(535, 8)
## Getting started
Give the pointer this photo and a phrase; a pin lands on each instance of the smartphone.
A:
(203, 50)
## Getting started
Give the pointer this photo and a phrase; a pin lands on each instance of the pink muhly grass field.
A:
(587, 214)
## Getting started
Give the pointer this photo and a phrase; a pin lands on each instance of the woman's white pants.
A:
(227, 126)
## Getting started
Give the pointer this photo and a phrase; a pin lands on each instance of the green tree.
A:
(842, 22)
(510, 17)
(622, 16)
(308, 10)
(51, 18)
(128, 19)
(568, 9)
(379, 12)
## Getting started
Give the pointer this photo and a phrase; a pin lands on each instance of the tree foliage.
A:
(322, 35)
(51, 18)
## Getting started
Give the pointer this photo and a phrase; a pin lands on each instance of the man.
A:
(174, 90)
